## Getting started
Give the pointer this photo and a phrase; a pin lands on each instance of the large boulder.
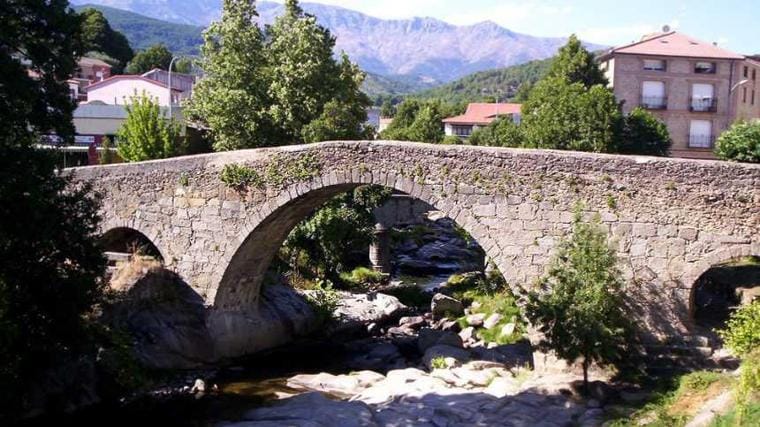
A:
(341, 386)
(431, 337)
(311, 409)
(357, 311)
(511, 355)
(444, 306)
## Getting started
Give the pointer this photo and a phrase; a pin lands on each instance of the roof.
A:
(85, 61)
(675, 44)
(120, 77)
(483, 113)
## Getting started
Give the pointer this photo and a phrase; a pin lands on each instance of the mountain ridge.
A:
(427, 49)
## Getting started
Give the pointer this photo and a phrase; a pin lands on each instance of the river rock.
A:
(356, 311)
(508, 329)
(199, 386)
(375, 356)
(467, 334)
(430, 337)
(476, 320)
(311, 409)
(502, 386)
(444, 351)
(414, 322)
(443, 306)
(512, 355)
(492, 320)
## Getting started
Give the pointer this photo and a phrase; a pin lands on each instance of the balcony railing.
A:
(703, 105)
(701, 141)
(654, 102)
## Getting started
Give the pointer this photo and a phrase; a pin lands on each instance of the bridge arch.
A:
(127, 240)
(263, 235)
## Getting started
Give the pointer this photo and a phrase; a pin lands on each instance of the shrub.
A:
(452, 140)
(324, 300)
(362, 276)
(438, 363)
(742, 334)
(740, 143)
(146, 134)
(240, 176)
(643, 133)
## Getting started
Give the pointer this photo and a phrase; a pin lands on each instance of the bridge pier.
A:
(380, 249)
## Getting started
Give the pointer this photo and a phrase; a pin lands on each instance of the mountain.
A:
(427, 49)
(142, 31)
(475, 86)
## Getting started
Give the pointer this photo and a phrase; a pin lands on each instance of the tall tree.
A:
(580, 306)
(146, 134)
(98, 36)
(156, 56)
(500, 133)
(49, 264)
(569, 116)
(231, 100)
(577, 65)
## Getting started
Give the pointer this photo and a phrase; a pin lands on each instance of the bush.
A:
(645, 134)
(740, 143)
(146, 134)
(452, 140)
(240, 176)
(361, 277)
(324, 300)
(742, 334)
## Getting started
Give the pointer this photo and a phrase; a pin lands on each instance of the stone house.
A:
(697, 88)
(479, 115)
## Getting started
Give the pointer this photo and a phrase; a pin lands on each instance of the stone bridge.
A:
(670, 219)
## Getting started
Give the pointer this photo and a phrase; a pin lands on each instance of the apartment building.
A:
(696, 88)
(480, 115)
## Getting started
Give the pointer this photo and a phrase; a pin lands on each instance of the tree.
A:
(643, 133)
(106, 155)
(420, 120)
(502, 132)
(98, 36)
(337, 123)
(387, 109)
(569, 116)
(580, 306)
(577, 65)
(146, 134)
(156, 56)
(49, 263)
(427, 126)
(740, 143)
(231, 101)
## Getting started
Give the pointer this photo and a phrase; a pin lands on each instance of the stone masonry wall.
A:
(670, 219)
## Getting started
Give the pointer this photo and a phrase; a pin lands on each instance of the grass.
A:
(676, 400)
(438, 363)
(362, 277)
(751, 418)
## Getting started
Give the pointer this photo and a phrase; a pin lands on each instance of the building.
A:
(696, 88)
(118, 90)
(479, 115)
(92, 69)
(181, 82)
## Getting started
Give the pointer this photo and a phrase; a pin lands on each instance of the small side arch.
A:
(126, 240)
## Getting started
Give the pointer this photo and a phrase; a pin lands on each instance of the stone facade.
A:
(670, 219)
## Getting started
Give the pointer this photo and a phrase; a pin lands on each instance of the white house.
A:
(118, 90)
(479, 115)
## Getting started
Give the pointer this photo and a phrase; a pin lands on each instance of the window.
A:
(704, 67)
(700, 134)
(753, 98)
(744, 95)
(746, 71)
(653, 95)
(702, 98)
(754, 74)
(463, 131)
(654, 64)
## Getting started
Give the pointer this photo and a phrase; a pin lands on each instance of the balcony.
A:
(701, 141)
(654, 102)
(703, 105)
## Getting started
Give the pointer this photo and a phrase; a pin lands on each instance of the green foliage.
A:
(748, 389)
(420, 121)
(361, 277)
(146, 134)
(750, 418)
(740, 143)
(576, 65)
(452, 140)
(645, 134)
(335, 238)
(240, 176)
(143, 32)
(277, 88)
(569, 116)
(98, 36)
(514, 82)
(698, 381)
(324, 300)
(106, 154)
(580, 310)
(502, 132)
(156, 56)
(438, 363)
(281, 171)
(742, 334)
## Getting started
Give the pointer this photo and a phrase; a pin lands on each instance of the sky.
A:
(733, 24)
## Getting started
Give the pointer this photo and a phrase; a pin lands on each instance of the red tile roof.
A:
(483, 113)
(676, 44)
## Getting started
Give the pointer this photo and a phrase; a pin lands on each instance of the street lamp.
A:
(171, 64)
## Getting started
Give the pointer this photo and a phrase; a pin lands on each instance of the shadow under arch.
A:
(240, 284)
(126, 240)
